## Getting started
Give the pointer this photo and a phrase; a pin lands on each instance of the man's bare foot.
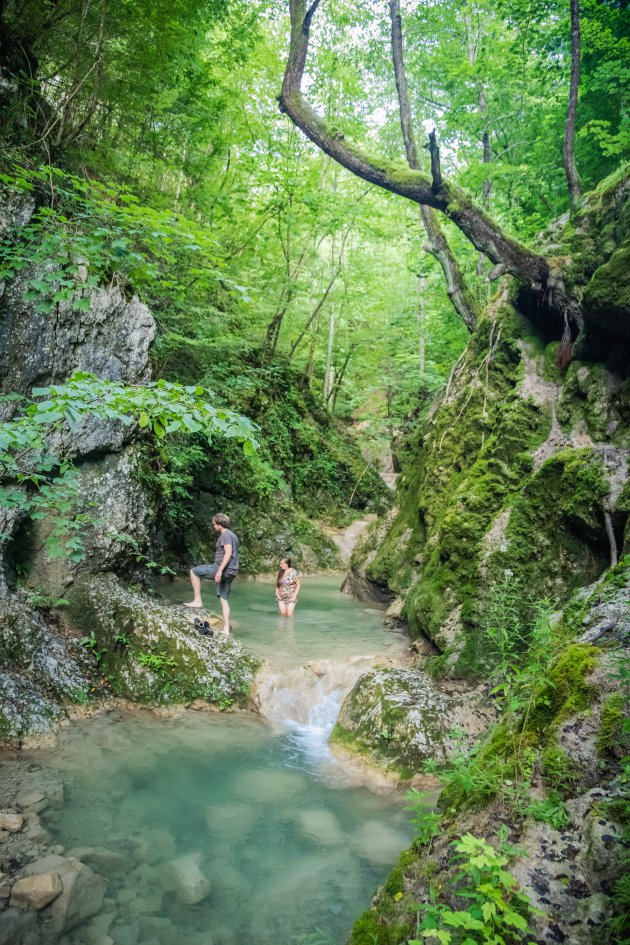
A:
(194, 603)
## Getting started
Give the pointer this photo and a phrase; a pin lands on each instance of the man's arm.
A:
(227, 554)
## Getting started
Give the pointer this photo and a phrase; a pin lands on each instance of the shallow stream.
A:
(258, 820)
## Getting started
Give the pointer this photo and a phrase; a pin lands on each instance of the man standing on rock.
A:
(223, 571)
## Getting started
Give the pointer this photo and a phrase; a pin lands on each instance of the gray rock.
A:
(36, 892)
(125, 934)
(111, 340)
(102, 860)
(120, 506)
(33, 800)
(15, 925)
(609, 620)
(11, 821)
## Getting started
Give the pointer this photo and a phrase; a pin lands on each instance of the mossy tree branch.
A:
(439, 194)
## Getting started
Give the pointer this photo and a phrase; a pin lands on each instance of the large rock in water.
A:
(82, 893)
(151, 653)
(400, 719)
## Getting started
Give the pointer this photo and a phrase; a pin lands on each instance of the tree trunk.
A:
(438, 246)
(436, 193)
(573, 180)
(339, 376)
(328, 374)
(421, 327)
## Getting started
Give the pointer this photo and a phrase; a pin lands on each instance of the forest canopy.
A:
(170, 112)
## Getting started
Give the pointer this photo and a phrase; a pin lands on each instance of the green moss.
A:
(372, 928)
(559, 514)
(610, 733)
(395, 882)
(593, 397)
(608, 293)
(568, 690)
(551, 371)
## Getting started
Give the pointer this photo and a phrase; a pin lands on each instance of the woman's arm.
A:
(296, 591)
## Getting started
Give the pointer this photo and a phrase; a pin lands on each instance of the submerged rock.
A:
(82, 893)
(185, 878)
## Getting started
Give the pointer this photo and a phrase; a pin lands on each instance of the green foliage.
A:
(82, 695)
(496, 910)
(425, 820)
(91, 643)
(44, 484)
(157, 662)
(90, 232)
(552, 810)
(539, 682)
(503, 625)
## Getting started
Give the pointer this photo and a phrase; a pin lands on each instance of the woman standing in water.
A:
(287, 587)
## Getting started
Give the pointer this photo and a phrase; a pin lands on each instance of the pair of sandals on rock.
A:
(203, 627)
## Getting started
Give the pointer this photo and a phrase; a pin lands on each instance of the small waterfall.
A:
(306, 701)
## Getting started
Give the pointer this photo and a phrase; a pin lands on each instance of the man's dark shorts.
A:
(208, 571)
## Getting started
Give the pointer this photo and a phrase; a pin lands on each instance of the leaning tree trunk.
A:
(573, 179)
(438, 246)
(433, 191)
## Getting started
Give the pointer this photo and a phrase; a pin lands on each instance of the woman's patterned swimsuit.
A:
(287, 585)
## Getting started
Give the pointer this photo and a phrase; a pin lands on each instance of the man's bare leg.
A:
(196, 584)
(225, 610)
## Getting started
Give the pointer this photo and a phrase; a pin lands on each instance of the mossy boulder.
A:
(398, 718)
(151, 653)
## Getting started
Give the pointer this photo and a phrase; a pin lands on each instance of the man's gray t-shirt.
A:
(227, 538)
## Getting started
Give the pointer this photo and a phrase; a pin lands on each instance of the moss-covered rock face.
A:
(151, 653)
(520, 467)
(398, 718)
(550, 774)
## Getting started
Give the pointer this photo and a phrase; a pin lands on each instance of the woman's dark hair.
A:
(281, 572)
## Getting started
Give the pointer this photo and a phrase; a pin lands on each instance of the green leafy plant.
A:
(42, 484)
(157, 662)
(81, 695)
(40, 601)
(425, 820)
(91, 643)
(552, 810)
(497, 910)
